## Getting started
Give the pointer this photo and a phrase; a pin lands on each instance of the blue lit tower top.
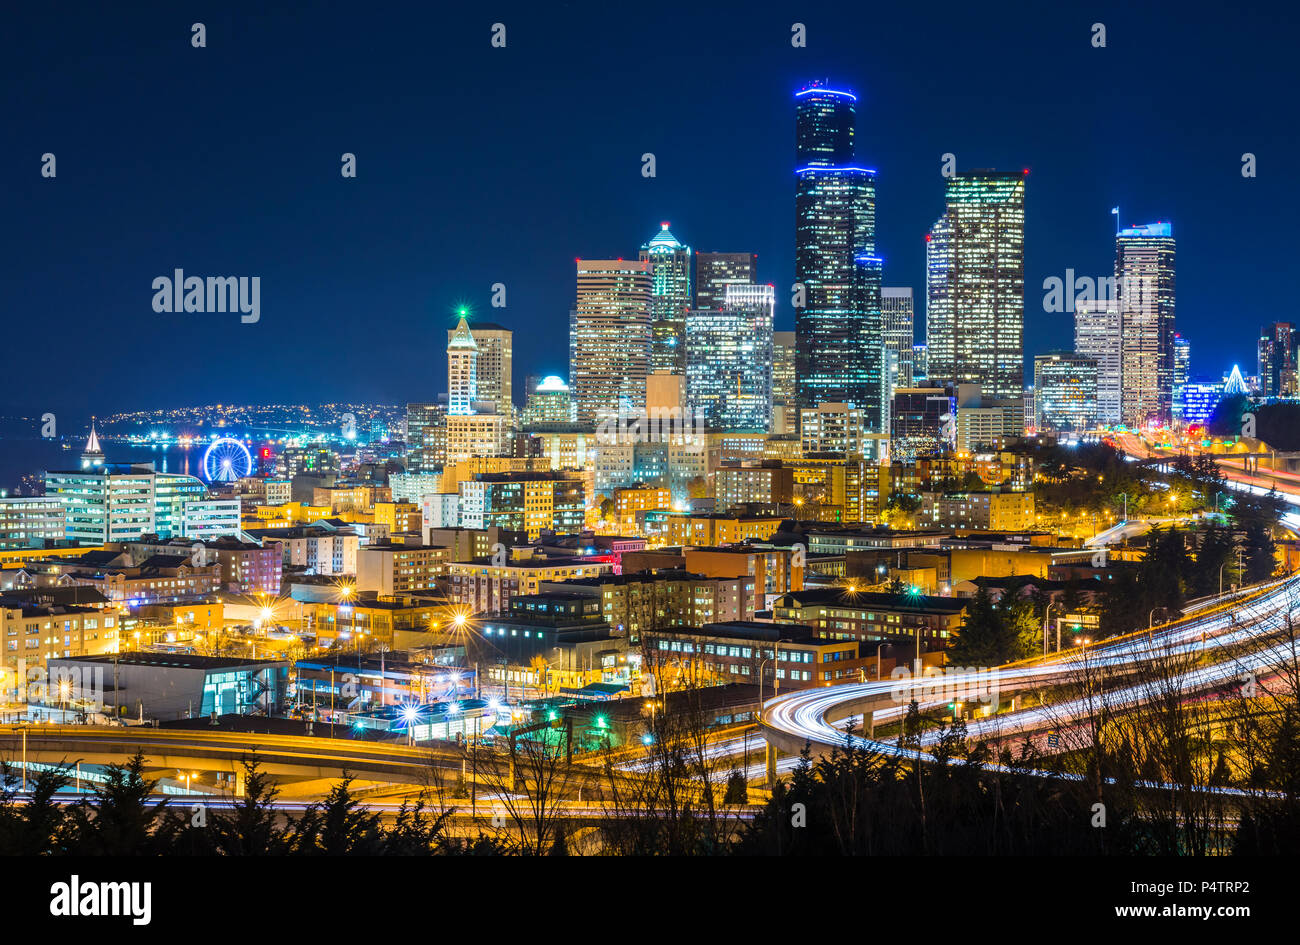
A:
(1150, 231)
(824, 121)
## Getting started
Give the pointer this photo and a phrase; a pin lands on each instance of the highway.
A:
(1287, 484)
(301, 765)
(814, 716)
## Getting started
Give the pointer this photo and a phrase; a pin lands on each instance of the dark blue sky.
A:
(479, 165)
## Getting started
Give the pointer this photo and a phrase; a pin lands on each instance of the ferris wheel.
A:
(227, 460)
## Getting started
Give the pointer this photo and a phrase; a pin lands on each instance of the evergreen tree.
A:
(737, 789)
(1120, 605)
(253, 828)
(39, 826)
(1259, 558)
(981, 640)
(1214, 552)
(1022, 631)
(338, 826)
(119, 819)
(1071, 597)
(416, 832)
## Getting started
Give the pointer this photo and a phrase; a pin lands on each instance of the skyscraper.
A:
(897, 318)
(920, 421)
(462, 370)
(549, 402)
(1065, 391)
(975, 285)
(785, 410)
(1097, 336)
(1277, 353)
(426, 437)
(1144, 277)
(1182, 364)
(670, 297)
(920, 363)
(839, 345)
(495, 362)
(715, 271)
(610, 337)
(729, 360)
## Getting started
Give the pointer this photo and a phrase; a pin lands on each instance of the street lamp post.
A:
(760, 677)
(914, 592)
(1047, 623)
(1151, 621)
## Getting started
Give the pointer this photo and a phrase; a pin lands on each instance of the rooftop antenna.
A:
(1115, 211)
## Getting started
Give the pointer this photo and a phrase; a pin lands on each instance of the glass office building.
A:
(839, 353)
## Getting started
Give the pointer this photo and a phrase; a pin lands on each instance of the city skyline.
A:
(275, 206)
(617, 431)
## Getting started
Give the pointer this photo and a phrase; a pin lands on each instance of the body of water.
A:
(22, 455)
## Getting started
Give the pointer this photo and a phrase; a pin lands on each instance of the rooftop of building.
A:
(77, 595)
(112, 469)
(745, 630)
(389, 545)
(34, 609)
(222, 543)
(710, 698)
(164, 562)
(566, 561)
(172, 661)
(325, 528)
(863, 600)
(640, 577)
(508, 477)
(394, 663)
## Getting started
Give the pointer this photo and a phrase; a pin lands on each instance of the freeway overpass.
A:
(1218, 631)
(292, 757)
(1130, 528)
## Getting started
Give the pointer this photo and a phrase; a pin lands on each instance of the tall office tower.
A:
(1065, 391)
(1182, 363)
(462, 370)
(920, 362)
(729, 360)
(975, 285)
(1277, 359)
(715, 271)
(838, 340)
(897, 315)
(670, 297)
(1097, 336)
(785, 410)
(495, 362)
(1144, 279)
(610, 337)
(426, 426)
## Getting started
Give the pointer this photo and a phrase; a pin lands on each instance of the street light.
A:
(1047, 623)
(775, 683)
(1151, 619)
(914, 592)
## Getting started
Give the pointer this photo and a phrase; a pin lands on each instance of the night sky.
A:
(479, 165)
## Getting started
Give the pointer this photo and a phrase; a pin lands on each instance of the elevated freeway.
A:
(1224, 628)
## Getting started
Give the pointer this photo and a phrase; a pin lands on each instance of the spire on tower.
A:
(92, 455)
